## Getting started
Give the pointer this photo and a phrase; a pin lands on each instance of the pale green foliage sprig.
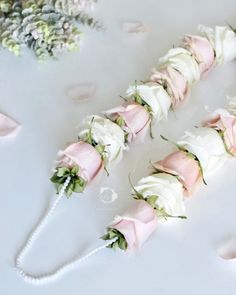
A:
(39, 25)
(71, 7)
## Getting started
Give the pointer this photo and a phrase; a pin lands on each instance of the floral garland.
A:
(161, 195)
(48, 27)
(103, 139)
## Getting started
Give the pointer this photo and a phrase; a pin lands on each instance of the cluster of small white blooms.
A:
(167, 188)
(183, 61)
(207, 145)
(107, 134)
(153, 95)
(223, 40)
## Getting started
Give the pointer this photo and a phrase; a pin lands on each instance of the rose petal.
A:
(8, 126)
(134, 27)
(82, 92)
(228, 249)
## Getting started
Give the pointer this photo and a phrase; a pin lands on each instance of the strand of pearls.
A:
(65, 267)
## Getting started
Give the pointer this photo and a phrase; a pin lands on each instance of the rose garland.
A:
(161, 195)
(102, 141)
(104, 138)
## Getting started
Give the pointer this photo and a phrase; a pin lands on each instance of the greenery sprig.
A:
(44, 26)
(77, 184)
(120, 241)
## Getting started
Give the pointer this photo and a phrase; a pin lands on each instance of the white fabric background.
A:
(180, 258)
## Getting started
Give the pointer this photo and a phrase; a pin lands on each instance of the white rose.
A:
(106, 133)
(223, 40)
(168, 190)
(183, 61)
(155, 96)
(206, 144)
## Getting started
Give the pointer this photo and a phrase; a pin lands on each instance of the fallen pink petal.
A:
(8, 126)
(134, 27)
(228, 249)
(82, 92)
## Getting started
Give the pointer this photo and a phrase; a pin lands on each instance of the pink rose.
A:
(202, 50)
(136, 224)
(186, 168)
(223, 121)
(136, 119)
(85, 156)
(174, 82)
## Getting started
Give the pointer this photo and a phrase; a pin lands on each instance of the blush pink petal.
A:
(227, 124)
(135, 116)
(176, 84)
(8, 126)
(85, 156)
(202, 50)
(179, 163)
(136, 224)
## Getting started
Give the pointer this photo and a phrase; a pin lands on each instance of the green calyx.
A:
(120, 241)
(189, 154)
(232, 28)
(152, 201)
(76, 184)
(101, 149)
(222, 135)
(138, 99)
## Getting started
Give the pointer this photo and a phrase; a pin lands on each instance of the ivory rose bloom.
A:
(202, 50)
(84, 156)
(223, 40)
(168, 190)
(225, 122)
(183, 61)
(135, 117)
(184, 166)
(136, 224)
(206, 144)
(173, 81)
(106, 133)
(155, 96)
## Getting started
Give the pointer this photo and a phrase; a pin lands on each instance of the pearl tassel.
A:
(51, 276)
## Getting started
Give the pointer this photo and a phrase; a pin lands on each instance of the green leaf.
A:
(120, 121)
(151, 200)
(139, 196)
(61, 171)
(119, 243)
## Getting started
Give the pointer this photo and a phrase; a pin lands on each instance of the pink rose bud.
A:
(136, 224)
(226, 123)
(202, 50)
(136, 119)
(185, 167)
(174, 82)
(85, 156)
